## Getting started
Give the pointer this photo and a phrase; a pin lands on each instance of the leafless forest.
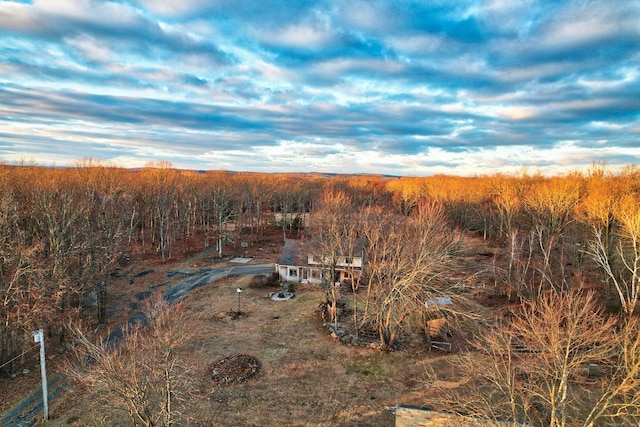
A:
(540, 274)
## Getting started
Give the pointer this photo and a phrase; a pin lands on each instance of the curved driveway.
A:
(196, 278)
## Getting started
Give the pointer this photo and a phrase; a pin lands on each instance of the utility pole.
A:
(38, 336)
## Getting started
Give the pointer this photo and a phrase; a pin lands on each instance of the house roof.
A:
(297, 251)
(294, 252)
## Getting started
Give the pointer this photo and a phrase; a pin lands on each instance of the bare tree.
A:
(536, 369)
(160, 194)
(619, 401)
(23, 295)
(517, 273)
(100, 193)
(222, 202)
(260, 194)
(407, 193)
(407, 259)
(283, 201)
(507, 200)
(551, 204)
(622, 267)
(142, 371)
(334, 238)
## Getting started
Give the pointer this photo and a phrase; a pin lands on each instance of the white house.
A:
(298, 264)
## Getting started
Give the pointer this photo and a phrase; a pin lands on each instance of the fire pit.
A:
(281, 296)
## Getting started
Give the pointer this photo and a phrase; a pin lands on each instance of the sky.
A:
(384, 87)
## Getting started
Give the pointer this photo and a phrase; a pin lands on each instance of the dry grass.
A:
(307, 378)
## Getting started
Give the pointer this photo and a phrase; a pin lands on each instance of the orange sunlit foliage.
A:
(465, 200)
(367, 190)
(507, 195)
(596, 208)
(406, 193)
(551, 204)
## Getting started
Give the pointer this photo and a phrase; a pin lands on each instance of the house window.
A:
(315, 274)
(293, 272)
(348, 261)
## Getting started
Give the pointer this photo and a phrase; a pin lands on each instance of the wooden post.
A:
(39, 337)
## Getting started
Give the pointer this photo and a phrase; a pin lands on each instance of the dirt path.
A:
(26, 411)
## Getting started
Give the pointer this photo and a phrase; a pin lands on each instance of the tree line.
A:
(63, 230)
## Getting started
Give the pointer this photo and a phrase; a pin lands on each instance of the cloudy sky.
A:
(392, 86)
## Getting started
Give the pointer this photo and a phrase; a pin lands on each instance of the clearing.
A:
(299, 375)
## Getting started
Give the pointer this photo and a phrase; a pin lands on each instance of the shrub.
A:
(263, 280)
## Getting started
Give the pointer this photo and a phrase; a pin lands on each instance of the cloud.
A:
(88, 25)
(368, 86)
(579, 24)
